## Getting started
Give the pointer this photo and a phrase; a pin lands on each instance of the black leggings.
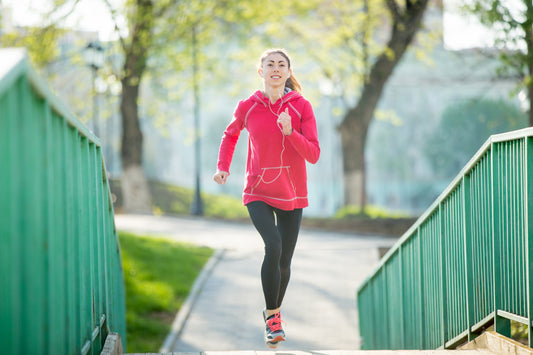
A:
(279, 230)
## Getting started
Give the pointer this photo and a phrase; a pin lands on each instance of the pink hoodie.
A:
(275, 168)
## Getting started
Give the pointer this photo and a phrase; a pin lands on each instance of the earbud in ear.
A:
(288, 75)
(261, 73)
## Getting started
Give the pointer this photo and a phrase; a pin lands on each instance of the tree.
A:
(134, 183)
(153, 26)
(406, 21)
(161, 31)
(513, 36)
(359, 59)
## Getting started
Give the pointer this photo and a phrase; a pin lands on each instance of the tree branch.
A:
(394, 9)
(55, 10)
(161, 11)
(115, 23)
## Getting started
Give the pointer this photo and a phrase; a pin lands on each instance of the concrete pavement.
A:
(225, 315)
(336, 352)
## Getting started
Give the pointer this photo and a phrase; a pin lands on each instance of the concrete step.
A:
(489, 343)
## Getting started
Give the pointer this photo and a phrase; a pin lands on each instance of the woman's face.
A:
(275, 69)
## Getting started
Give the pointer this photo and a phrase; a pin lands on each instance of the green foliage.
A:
(41, 43)
(345, 31)
(519, 332)
(226, 207)
(169, 199)
(514, 30)
(373, 212)
(158, 276)
(464, 128)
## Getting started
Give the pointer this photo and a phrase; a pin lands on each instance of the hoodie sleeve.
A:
(306, 141)
(230, 138)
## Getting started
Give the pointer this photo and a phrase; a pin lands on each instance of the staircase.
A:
(489, 343)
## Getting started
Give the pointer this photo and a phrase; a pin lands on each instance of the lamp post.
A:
(94, 57)
(197, 206)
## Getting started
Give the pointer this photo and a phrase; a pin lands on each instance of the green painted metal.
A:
(467, 262)
(61, 280)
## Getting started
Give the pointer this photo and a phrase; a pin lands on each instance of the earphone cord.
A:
(282, 143)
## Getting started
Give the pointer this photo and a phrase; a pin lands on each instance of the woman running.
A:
(282, 137)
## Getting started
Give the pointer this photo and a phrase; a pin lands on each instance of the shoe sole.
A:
(274, 343)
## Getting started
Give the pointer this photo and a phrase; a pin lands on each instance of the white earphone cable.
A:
(282, 145)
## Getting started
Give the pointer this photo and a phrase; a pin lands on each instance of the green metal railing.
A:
(467, 262)
(61, 280)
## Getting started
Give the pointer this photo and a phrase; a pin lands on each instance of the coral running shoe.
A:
(273, 331)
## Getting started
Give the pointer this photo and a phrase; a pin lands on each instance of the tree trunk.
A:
(353, 143)
(354, 127)
(135, 189)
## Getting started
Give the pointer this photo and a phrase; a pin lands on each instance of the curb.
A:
(112, 345)
(185, 309)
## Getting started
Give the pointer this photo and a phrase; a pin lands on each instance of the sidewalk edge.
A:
(185, 310)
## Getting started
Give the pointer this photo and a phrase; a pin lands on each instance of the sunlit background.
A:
(422, 134)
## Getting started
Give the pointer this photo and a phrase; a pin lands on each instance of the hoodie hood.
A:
(290, 95)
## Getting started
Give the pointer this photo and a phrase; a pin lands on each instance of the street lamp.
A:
(197, 205)
(94, 57)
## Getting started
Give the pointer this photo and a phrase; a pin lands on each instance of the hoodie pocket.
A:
(274, 182)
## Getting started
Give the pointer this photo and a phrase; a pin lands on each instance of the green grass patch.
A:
(351, 211)
(226, 207)
(176, 200)
(158, 275)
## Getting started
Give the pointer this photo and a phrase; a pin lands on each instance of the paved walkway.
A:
(319, 308)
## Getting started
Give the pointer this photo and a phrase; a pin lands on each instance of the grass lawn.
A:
(158, 274)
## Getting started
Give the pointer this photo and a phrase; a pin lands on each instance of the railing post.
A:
(421, 344)
(386, 344)
(501, 324)
(528, 171)
(444, 300)
(467, 237)
(402, 298)
(373, 324)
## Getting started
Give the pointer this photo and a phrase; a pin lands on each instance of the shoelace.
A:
(274, 323)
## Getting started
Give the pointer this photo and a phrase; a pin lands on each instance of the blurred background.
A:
(404, 92)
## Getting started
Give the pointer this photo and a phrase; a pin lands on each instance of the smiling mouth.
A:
(276, 76)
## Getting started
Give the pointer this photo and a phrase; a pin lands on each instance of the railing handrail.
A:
(62, 285)
(521, 133)
(465, 263)
(14, 63)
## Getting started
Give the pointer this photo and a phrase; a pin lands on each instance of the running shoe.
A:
(272, 345)
(273, 331)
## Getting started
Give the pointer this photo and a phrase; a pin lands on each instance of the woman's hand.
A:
(220, 177)
(284, 120)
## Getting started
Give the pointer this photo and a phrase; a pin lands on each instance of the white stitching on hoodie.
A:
(295, 110)
(248, 114)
